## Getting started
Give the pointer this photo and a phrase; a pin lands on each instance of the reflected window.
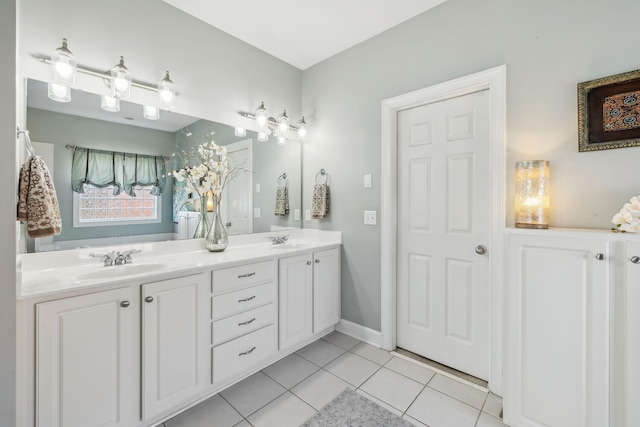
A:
(98, 206)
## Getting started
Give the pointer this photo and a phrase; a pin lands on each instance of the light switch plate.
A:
(256, 212)
(257, 188)
(296, 214)
(367, 181)
(370, 217)
(307, 215)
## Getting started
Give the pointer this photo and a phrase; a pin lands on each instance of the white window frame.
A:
(78, 224)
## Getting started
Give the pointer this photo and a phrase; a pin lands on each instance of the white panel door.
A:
(85, 375)
(238, 202)
(326, 289)
(558, 339)
(444, 211)
(633, 334)
(295, 299)
(176, 335)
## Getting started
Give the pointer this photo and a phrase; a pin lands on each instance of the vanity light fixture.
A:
(151, 113)
(167, 92)
(238, 131)
(63, 66)
(110, 103)
(532, 194)
(120, 80)
(279, 126)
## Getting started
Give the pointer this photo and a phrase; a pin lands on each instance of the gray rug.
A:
(351, 409)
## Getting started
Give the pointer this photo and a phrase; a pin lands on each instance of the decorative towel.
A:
(282, 200)
(320, 202)
(37, 200)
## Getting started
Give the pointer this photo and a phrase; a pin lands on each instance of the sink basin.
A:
(121, 270)
(290, 245)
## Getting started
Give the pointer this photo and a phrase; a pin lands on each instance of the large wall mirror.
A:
(55, 126)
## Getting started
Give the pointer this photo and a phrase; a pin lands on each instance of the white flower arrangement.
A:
(628, 219)
(206, 169)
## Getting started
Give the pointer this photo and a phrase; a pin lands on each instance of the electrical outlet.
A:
(367, 181)
(296, 214)
(370, 217)
(256, 212)
(307, 215)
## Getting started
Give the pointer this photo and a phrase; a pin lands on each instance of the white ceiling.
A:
(304, 32)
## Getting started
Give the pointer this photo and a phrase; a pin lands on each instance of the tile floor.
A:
(292, 390)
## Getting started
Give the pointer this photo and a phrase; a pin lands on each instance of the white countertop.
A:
(49, 273)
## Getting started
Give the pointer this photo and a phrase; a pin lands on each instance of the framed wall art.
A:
(609, 112)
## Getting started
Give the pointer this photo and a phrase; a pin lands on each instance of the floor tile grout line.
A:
(414, 400)
(453, 397)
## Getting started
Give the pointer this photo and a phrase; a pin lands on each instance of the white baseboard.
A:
(360, 332)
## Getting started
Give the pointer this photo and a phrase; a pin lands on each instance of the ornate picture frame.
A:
(609, 112)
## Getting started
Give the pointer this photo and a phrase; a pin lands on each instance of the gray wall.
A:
(548, 46)
(8, 331)
(62, 129)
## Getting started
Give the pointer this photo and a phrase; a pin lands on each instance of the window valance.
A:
(122, 170)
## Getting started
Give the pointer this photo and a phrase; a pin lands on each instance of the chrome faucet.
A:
(278, 240)
(125, 257)
(109, 257)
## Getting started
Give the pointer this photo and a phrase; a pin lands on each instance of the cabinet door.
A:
(296, 299)
(183, 221)
(85, 367)
(175, 341)
(326, 289)
(633, 334)
(558, 338)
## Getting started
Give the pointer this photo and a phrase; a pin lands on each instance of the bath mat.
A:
(351, 409)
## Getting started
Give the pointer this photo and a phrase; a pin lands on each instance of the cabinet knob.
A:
(148, 299)
(308, 262)
(481, 250)
(635, 259)
(600, 257)
(228, 224)
(317, 261)
(125, 304)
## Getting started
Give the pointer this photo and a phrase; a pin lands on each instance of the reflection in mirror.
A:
(249, 205)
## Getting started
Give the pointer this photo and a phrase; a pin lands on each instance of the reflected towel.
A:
(282, 201)
(320, 202)
(37, 200)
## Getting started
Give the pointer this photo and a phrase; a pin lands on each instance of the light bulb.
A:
(121, 85)
(64, 70)
(59, 93)
(261, 116)
(282, 140)
(263, 137)
(150, 113)
(63, 66)
(120, 80)
(283, 124)
(238, 131)
(166, 97)
(167, 92)
(110, 103)
(302, 129)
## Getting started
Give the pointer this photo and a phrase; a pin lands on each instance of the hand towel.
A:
(282, 200)
(320, 202)
(37, 199)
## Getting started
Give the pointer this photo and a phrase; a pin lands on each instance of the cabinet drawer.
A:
(243, 275)
(243, 323)
(243, 300)
(242, 353)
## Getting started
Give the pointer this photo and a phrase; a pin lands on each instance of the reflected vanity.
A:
(250, 201)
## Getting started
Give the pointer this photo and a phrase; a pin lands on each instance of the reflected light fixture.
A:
(302, 129)
(283, 124)
(278, 127)
(63, 66)
(532, 194)
(261, 117)
(58, 92)
(110, 103)
(120, 80)
(167, 92)
(238, 131)
(263, 136)
(151, 113)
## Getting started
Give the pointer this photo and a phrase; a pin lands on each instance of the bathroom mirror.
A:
(53, 126)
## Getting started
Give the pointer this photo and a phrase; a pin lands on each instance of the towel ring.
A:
(320, 174)
(282, 177)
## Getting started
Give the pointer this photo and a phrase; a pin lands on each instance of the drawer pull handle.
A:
(248, 322)
(244, 353)
(247, 299)
(246, 275)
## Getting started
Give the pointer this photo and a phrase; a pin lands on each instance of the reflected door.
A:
(444, 202)
(237, 202)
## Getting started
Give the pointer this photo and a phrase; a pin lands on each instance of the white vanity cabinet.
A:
(632, 332)
(558, 337)
(85, 373)
(175, 331)
(187, 223)
(309, 295)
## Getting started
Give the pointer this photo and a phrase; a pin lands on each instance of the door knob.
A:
(481, 250)
(635, 259)
(599, 257)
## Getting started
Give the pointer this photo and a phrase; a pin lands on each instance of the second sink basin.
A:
(121, 270)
